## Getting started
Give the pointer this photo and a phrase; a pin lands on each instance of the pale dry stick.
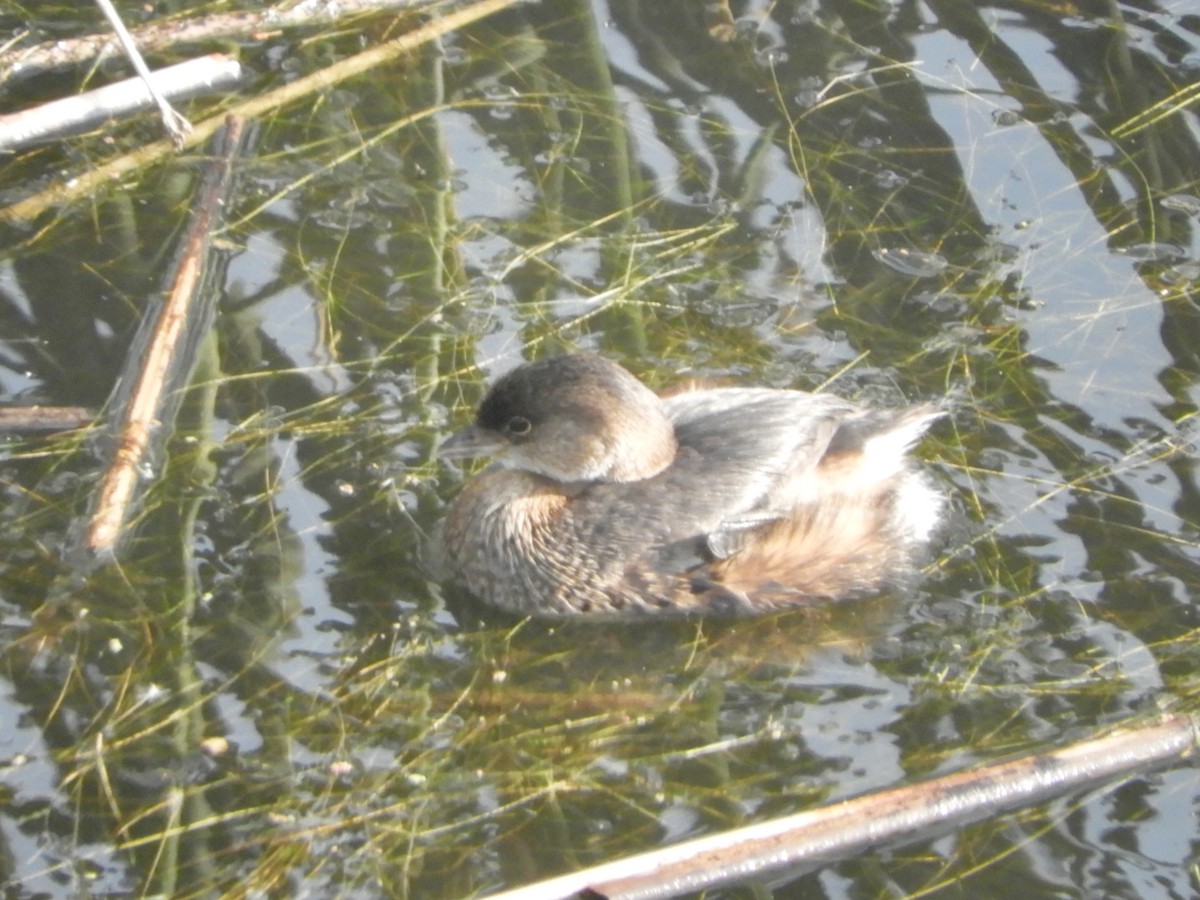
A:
(89, 182)
(142, 412)
(72, 115)
(24, 62)
(177, 126)
(798, 843)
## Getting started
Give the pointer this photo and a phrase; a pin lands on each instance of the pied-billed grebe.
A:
(605, 498)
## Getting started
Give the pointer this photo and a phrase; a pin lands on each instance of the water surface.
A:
(899, 202)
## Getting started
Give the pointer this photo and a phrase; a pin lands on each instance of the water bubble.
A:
(1152, 252)
(497, 91)
(1005, 117)
(722, 206)
(944, 303)
(911, 262)
(1182, 273)
(889, 179)
(806, 99)
(771, 56)
(808, 92)
(1187, 203)
(504, 96)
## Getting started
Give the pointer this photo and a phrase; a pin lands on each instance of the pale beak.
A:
(471, 443)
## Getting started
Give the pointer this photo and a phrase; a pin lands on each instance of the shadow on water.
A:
(267, 692)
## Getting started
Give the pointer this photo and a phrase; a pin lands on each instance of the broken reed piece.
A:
(787, 847)
(143, 413)
(82, 112)
(43, 418)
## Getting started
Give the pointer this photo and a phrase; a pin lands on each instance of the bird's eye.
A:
(518, 426)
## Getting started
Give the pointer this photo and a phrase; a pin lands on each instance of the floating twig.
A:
(821, 836)
(177, 126)
(141, 416)
(72, 115)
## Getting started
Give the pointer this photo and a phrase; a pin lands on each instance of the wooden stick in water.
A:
(43, 418)
(71, 115)
(142, 413)
(799, 843)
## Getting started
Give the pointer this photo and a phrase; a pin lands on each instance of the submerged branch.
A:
(28, 61)
(72, 115)
(43, 418)
(88, 182)
(142, 418)
(821, 836)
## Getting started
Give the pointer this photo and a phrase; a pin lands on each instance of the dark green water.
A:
(903, 201)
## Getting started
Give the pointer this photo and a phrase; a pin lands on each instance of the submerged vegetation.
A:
(263, 691)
